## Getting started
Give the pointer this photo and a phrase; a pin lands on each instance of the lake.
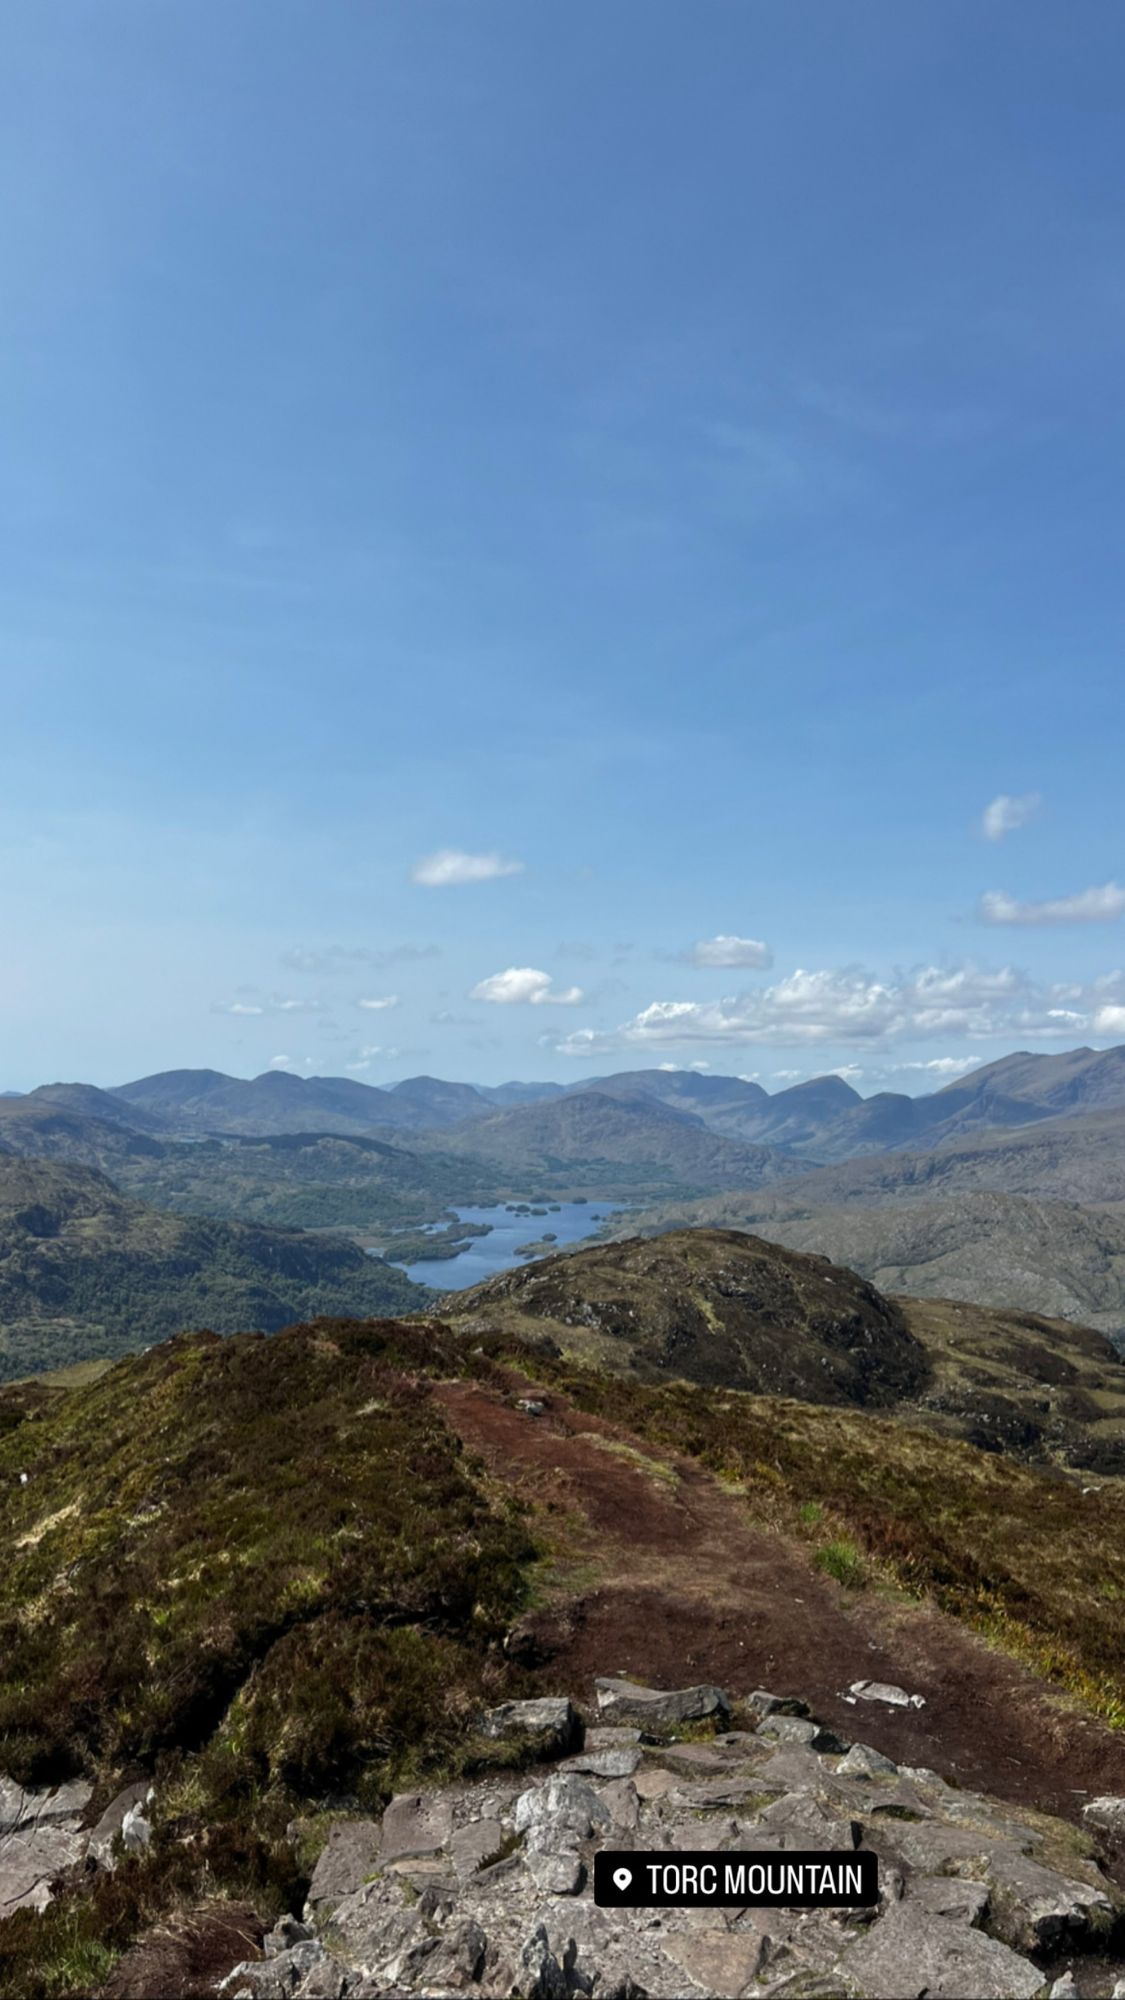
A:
(572, 1222)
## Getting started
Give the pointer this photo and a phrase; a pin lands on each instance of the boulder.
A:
(761, 1703)
(1106, 1814)
(864, 1762)
(799, 1729)
(552, 1725)
(539, 1976)
(623, 1701)
(347, 1859)
(415, 1825)
(567, 1808)
(910, 1954)
(112, 1821)
(1036, 1909)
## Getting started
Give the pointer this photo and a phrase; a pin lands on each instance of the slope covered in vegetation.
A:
(86, 1273)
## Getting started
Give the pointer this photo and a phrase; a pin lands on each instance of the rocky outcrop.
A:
(485, 1888)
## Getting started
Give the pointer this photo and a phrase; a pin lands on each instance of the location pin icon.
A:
(622, 1878)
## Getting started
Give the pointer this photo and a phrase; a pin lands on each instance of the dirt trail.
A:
(683, 1587)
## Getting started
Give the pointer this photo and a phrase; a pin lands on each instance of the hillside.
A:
(1050, 1257)
(728, 1310)
(280, 1579)
(85, 1272)
(606, 1145)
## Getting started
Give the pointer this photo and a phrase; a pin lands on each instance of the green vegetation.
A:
(842, 1560)
(259, 1569)
(85, 1273)
(1031, 1560)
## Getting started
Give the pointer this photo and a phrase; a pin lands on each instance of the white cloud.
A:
(449, 867)
(1088, 906)
(1110, 1021)
(1005, 814)
(523, 984)
(725, 950)
(276, 1003)
(377, 1006)
(850, 1007)
(942, 1065)
(280, 1062)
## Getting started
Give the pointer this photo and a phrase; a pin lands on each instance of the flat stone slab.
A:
(553, 1720)
(910, 1954)
(622, 1701)
(348, 1857)
(19, 1808)
(604, 1763)
(415, 1825)
(886, 1691)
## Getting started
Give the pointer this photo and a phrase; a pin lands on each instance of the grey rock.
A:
(472, 1845)
(864, 1762)
(567, 1806)
(31, 1858)
(136, 1833)
(761, 1703)
(286, 1933)
(449, 1962)
(555, 1870)
(1036, 1909)
(1107, 1814)
(539, 1975)
(278, 1978)
(622, 1802)
(553, 1721)
(621, 1701)
(611, 1736)
(950, 1896)
(110, 1824)
(604, 1763)
(1118, 1990)
(347, 1859)
(886, 1691)
(415, 1825)
(910, 1954)
(20, 1809)
(1063, 1988)
(799, 1730)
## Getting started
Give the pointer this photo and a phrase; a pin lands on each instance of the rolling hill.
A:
(729, 1310)
(608, 1145)
(86, 1273)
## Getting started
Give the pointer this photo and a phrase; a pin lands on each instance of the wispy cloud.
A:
(273, 1003)
(851, 1007)
(379, 1003)
(1088, 906)
(338, 958)
(1005, 814)
(726, 950)
(524, 985)
(449, 867)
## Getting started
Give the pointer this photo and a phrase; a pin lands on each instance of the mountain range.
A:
(1002, 1188)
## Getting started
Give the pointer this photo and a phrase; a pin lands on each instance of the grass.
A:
(842, 1561)
(1022, 1556)
(262, 1572)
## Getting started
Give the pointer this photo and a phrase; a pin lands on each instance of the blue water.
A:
(572, 1223)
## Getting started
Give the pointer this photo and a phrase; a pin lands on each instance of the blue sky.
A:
(668, 454)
